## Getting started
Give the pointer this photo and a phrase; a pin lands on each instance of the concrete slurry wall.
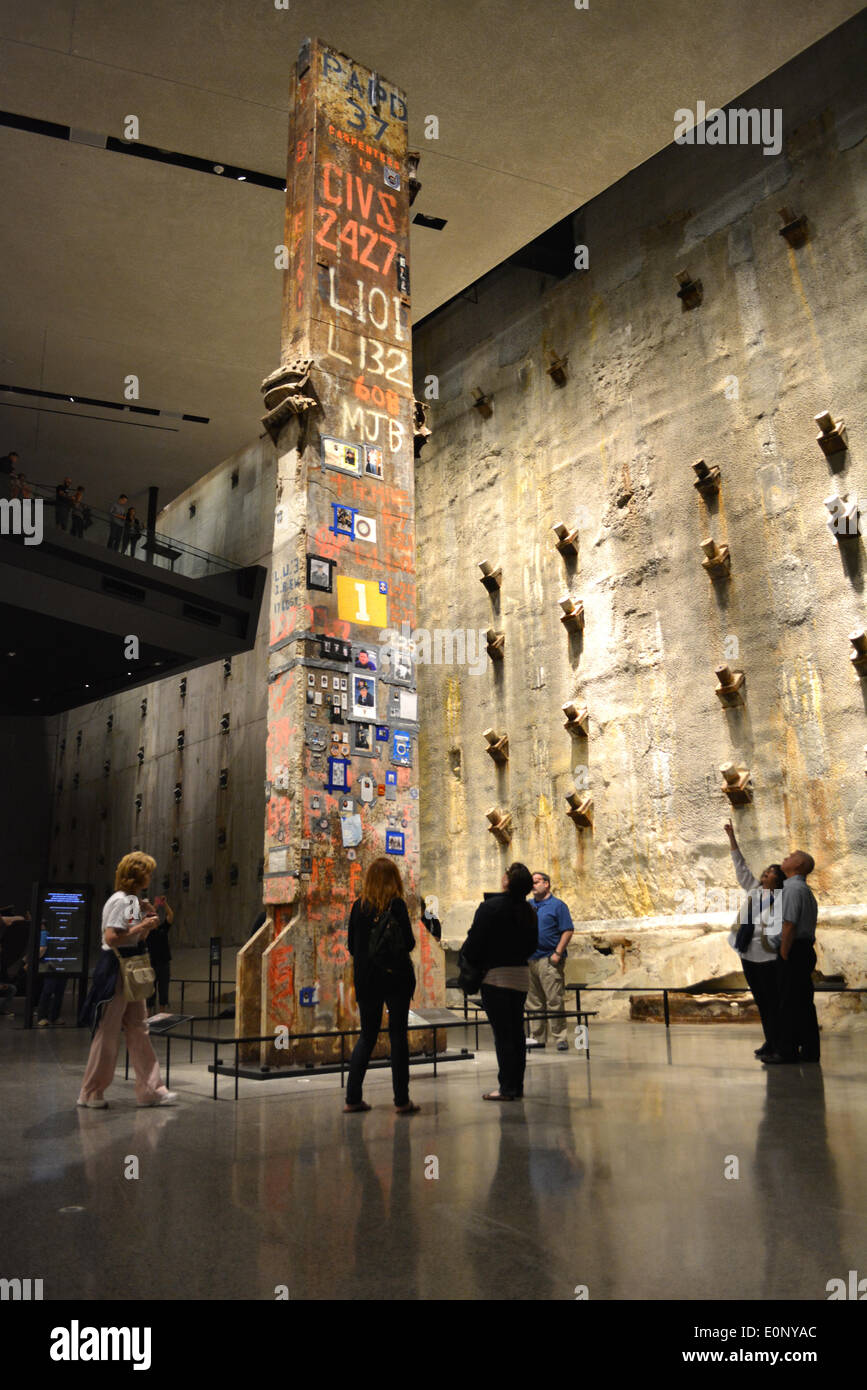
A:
(237, 524)
(652, 387)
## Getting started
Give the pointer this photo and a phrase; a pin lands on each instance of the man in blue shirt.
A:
(796, 1035)
(548, 964)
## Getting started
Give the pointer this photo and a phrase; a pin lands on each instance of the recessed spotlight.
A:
(219, 168)
(242, 178)
(72, 398)
(10, 653)
(86, 686)
(36, 699)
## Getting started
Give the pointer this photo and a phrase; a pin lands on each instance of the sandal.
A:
(362, 1105)
(408, 1109)
(495, 1095)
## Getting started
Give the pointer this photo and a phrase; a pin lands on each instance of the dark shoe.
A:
(773, 1059)
(408, 1109)
(362, 1105)
(563, 1046)
(763, 1051)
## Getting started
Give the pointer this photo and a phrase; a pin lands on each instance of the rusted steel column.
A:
(342, 758)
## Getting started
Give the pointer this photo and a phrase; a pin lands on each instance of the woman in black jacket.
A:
(503, 936)
(383, 975)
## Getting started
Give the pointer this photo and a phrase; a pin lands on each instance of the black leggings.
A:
(505, 1009)
(370, 1007)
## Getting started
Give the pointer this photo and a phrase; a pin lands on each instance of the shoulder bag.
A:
(137, 973)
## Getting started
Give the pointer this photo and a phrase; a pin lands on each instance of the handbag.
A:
(469, 975)
(137, 973)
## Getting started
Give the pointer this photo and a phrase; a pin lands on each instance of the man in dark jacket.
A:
(503, 936)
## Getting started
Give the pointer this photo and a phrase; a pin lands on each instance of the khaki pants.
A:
(546, 991)
(119, 1014)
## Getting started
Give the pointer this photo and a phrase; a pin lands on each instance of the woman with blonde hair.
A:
(380, 942)
(127, 920)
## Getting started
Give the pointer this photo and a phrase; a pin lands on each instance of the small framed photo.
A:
(362, 740)
(364, 697)
(394, 842)
(323, 681)
(319, 573)
(344, 520)
(338, 774)
(397, 663)
(382, 733)
(365, 658)
(401, 749)
(336, 453)
(373, 462)
(344, 684)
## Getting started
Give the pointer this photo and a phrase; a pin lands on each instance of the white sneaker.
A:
(92, 1104)
(43, 1023)
(167, 1098)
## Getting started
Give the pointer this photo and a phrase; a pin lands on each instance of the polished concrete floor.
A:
(611, 1174)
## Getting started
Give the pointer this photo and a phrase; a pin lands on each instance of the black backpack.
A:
(386, 948)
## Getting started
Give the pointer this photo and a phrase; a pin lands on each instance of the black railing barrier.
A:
(288, 1073)
(583, 1017)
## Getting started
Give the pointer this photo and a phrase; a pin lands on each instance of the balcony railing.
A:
(88, 526)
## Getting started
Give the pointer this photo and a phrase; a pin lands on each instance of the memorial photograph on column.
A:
(433, 728)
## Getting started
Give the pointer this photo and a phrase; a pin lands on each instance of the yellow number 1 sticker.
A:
(359, 601)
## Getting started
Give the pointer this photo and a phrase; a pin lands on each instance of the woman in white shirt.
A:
(756, 935)
(127, 919)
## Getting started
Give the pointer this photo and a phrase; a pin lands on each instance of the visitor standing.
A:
(548, 963)
(62, 503)
(756, 935)
(131, 532)
(796, 1034)
(380, 942)
(504, 934)
(116, 518)
(80, 514)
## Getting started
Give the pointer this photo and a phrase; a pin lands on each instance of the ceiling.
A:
(117, 266)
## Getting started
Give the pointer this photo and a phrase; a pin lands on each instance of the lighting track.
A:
(104, 405)
(137, 150)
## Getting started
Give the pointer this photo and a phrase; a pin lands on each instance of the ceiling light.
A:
(219, 168)
(242, 178)
(10, 653)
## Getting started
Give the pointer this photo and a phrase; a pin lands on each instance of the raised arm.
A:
(743, 873)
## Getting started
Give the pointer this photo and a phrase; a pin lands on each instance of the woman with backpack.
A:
(380, 942)
(503, 936)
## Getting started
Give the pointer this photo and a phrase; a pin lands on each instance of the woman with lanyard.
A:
(756, 935)
(127, 920)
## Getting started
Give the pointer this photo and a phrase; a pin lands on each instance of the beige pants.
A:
(546, 991)
(101, 1063)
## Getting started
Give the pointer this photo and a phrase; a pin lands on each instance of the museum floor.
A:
(610, 1174)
